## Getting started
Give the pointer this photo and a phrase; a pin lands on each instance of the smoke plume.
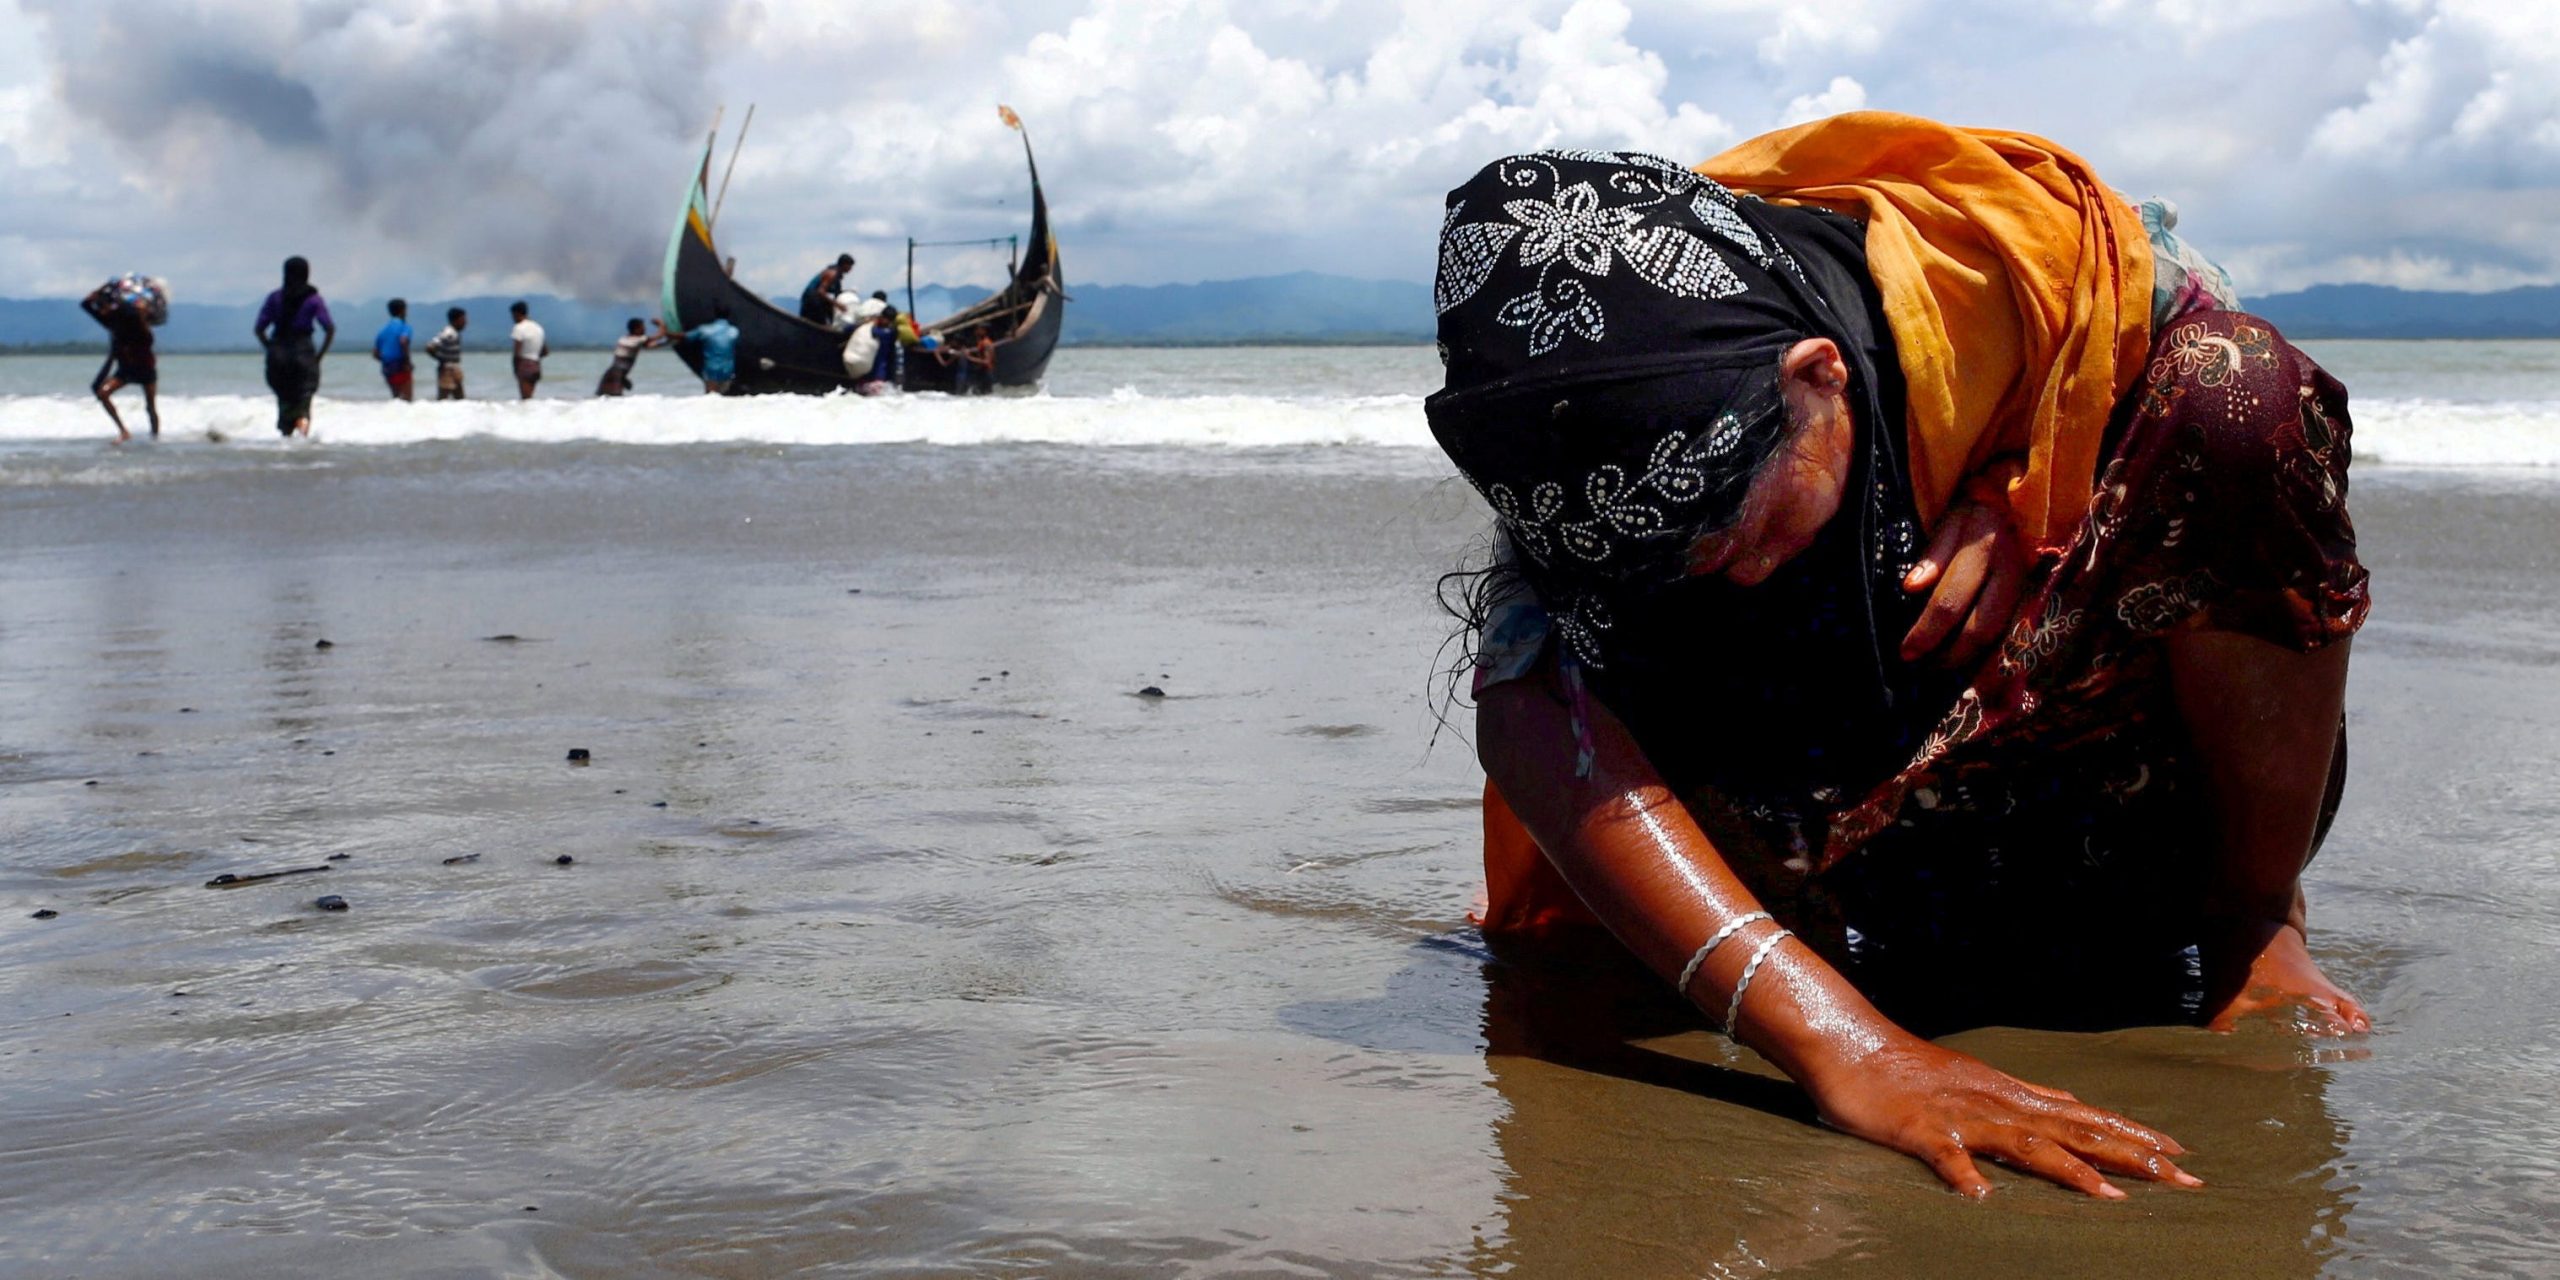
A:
(499, 140)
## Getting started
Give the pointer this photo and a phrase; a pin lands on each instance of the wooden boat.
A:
(780, 352)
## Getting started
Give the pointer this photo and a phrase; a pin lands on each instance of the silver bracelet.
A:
(1731, 927)
(1734, 1010)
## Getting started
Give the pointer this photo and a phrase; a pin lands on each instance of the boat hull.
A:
(780, 353)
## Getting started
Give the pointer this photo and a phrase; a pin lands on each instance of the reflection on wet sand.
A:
(1640, 1144)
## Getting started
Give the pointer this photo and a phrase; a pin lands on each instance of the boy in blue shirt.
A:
(391, 347)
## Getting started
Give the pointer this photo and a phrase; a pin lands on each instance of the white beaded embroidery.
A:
(1589, 234)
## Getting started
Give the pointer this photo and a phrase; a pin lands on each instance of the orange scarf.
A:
(2018, 289)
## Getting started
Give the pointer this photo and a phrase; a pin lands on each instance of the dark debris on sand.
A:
(233, 880)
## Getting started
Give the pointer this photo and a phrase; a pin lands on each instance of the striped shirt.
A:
(447, 347)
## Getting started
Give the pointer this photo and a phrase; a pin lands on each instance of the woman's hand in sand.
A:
(1975, 572)
(1948, 1109)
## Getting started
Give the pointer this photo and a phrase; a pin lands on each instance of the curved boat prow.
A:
(1030, 310)
(692, 224)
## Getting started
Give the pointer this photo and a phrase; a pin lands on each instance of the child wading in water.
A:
(1921, 601)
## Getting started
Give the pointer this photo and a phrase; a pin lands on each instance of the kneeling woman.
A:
(1919, 602)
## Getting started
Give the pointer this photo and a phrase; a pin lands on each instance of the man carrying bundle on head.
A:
(128, 306)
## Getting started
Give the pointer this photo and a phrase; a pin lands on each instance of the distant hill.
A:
(1301, 307)
(2377, 311)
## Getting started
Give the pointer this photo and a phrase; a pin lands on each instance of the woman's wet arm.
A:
(1634, 854)
(1643, 865)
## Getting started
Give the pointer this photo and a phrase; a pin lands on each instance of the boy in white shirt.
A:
(531, 347)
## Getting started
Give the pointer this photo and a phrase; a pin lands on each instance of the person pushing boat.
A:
(635, 339)
(715, 341)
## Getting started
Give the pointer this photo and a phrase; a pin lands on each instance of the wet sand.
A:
(947, 954)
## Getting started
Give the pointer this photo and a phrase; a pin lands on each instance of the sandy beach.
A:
(900, 935)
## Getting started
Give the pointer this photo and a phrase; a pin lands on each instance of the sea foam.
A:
(1125, 417)
(2388, 432)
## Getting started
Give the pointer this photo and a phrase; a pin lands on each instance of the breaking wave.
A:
(2388, 432)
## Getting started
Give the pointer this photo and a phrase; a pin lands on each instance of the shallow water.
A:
(948, 954)
(2417, 404)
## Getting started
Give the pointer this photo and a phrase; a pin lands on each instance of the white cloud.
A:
(1842, 94)
(422, 145)
(2477, 87)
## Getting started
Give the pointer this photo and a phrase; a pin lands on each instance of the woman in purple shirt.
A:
(284, 328)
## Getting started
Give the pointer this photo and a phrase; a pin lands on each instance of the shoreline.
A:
(1274, 342)
(99, 348)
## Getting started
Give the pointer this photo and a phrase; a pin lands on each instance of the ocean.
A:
(889, 928)
(2430, 404)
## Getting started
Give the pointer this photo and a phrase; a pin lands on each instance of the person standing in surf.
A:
(391, 347)
(130, 359)
(978, 369)
(531, 345)
(284, 325)
(446, 347)
(717, 340)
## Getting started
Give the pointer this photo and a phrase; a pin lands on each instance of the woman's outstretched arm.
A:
(1641, 863)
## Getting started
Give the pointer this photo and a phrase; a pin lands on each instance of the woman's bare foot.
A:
(2282, 981)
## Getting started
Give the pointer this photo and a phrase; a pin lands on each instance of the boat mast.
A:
(734, 149)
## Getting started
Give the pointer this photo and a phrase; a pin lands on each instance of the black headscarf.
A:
(1612, 326)
(297, 288)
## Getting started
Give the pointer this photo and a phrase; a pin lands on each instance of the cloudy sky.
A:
(443, 146)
